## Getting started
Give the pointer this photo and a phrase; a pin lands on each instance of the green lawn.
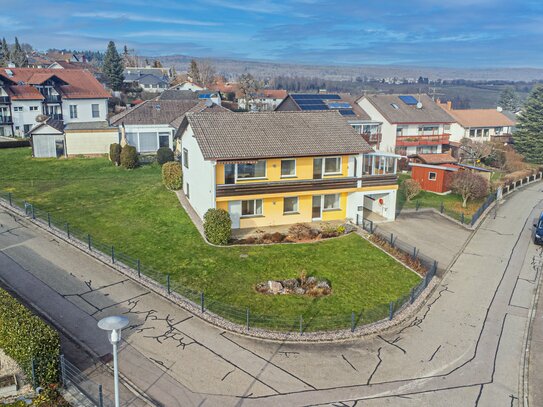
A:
(452, 203)
(135, 213)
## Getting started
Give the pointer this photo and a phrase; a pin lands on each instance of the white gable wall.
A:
(388, 130)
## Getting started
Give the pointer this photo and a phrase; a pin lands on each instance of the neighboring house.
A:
(36, 60)
(52, 138)
(279, 168)
(188, 85)
(152, 83)
(263, 100)
(165, 73)
(343, 103)
(154, 123)
(173, 94)
(62, 56)
(479, 124)
(411, 124)
(68, 96)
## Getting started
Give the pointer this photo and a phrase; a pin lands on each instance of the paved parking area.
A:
(434, 235)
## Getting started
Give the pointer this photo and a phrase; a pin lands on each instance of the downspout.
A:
(214, 191)
(124, 142)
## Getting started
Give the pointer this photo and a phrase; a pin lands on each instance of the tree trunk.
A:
(465, 201)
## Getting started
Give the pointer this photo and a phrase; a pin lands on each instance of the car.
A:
(538, 230)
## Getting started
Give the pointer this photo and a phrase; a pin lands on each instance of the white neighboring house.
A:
(263, 100)
(479, 124)
(411, 124)
(68, 96)
(188, 85)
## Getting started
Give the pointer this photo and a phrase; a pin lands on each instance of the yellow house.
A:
(277, 168)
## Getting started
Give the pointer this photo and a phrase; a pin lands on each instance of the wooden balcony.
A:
(260, 188)
(424, 140)
(379, 180)
(6, 120)
(372, 138)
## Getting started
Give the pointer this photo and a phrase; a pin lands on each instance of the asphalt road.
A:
(465, 347)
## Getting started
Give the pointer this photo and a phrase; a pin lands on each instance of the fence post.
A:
(412, 295)
(462, 218)
(434, 269)
(371, 226)
(168, 281)
(202, 301)
(89, 241)
(414, 253)
(9, 198)
(62, 371)
(34, 373)
(352, 321)
(68, 230)
(417, 205)
(301, 325)
(442, 207)
(100, 396)
(247, 313)
(112, 254)
(33, 212)
(391, 310)
(139, 268)
(392, 239)
(49, 219)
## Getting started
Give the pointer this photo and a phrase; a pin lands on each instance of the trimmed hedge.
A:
(115, 153)
(164, 155)
(129, 157)
(217, 226)
(15, 143)
(25, 337)
(172, 175)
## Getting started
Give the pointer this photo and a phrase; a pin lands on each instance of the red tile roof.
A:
(80, 83)
(24, 92)
(441, 158)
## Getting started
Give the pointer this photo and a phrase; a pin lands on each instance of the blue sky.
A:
(447, 33)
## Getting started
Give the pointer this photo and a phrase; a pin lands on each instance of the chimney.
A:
(449, 105)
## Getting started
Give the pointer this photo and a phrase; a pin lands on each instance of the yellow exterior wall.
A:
(304, 170)
(90, 142)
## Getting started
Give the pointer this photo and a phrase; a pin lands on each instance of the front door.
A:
(317, 168)
(230, 173)
(317, 207)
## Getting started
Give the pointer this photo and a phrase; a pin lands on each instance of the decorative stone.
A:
(275, 287)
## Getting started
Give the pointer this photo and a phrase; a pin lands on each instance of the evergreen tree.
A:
(18, 56)
(529, 136)
(4, 53)
(113, 67)
(509, 100)
(194, 72)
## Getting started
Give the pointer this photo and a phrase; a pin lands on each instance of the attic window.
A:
(395, 106)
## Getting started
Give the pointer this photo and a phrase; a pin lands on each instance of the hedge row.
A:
(25, 337)
(14, 143)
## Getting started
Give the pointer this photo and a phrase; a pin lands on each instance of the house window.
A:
(399, 131)
(33, 108)
(288, 168)
(186, 158)
(472, 132)
(164, 139)
(252, 170)
(486, 132)
(95, 110)
(331, 202)
(428, 130)
(432, 176)
(26, 128)
(17, 108)
(290, 204)
(479, 132)
(498, 130)
(332, 165)
(73, 111)
(252, 207)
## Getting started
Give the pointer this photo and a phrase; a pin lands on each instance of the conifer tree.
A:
(194, 72)
(529, 136)
(509, 100)
(113, 67)
(4, 53)
(18, 56)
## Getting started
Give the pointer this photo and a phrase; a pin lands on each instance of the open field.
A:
(134, 212)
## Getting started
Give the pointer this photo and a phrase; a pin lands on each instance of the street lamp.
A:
(113, 325)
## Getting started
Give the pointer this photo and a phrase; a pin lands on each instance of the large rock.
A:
(275, 287)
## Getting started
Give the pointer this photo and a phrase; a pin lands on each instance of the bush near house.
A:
(115, 153)
(129, 157)
(164, 155)
(469, 185)
(217, 226)
(411, 188)
(25, 337)
(172, 175)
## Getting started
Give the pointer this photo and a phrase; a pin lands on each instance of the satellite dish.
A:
(419, 105)
(499, 109)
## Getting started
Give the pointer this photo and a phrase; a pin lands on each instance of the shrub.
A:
(25, 337)
(411, 188)
(115, 153)
(164, 155)
(217, 226)
(301, 231)
(469, 185)
(129, 157)
(172, 175)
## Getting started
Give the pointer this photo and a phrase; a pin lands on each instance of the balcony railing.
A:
(4, 100)
(51, 99)
(502, 138)
(379, 180)
(432, 140)
(6, 120)
(372, 138)
(56, 116)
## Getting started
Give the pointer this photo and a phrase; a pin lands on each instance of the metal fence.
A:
(311, 321)
(90, 390)
(488, 201)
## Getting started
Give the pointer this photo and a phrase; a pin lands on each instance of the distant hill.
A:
(232, 68)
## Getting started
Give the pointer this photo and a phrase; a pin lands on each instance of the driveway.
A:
(464, 347)
(434, 235)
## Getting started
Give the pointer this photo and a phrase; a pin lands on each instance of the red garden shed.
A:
(433, 178)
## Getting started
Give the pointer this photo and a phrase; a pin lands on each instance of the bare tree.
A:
(207, 73)
(247, 88)
(469, 185)
(411, 189)
(476, 151)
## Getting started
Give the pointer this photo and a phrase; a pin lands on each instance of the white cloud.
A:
(142, 18)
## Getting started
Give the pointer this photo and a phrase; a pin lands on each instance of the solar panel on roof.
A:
(346, 112)
(313, 107)
(409, 100)
(204, 95)
(339, 105)
(314, 96)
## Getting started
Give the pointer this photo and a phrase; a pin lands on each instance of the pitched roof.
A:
(480, 118)
(58, 125)
(24, 92)
(440, 158)
(174, 94)
(269, 94)
(100, 125)
(322, 102)
(395, 110)
(79, 83)
(150, 79)
(254, 135)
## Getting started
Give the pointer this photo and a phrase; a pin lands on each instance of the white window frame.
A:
(297, 205)
(185, 158)
(17, 108)
(253, 178)
(429, 176)
(253, 214)
(73, 111)
(34, 108)
(338, 208)
(98, 110)
(324, 173)
(295, 167)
